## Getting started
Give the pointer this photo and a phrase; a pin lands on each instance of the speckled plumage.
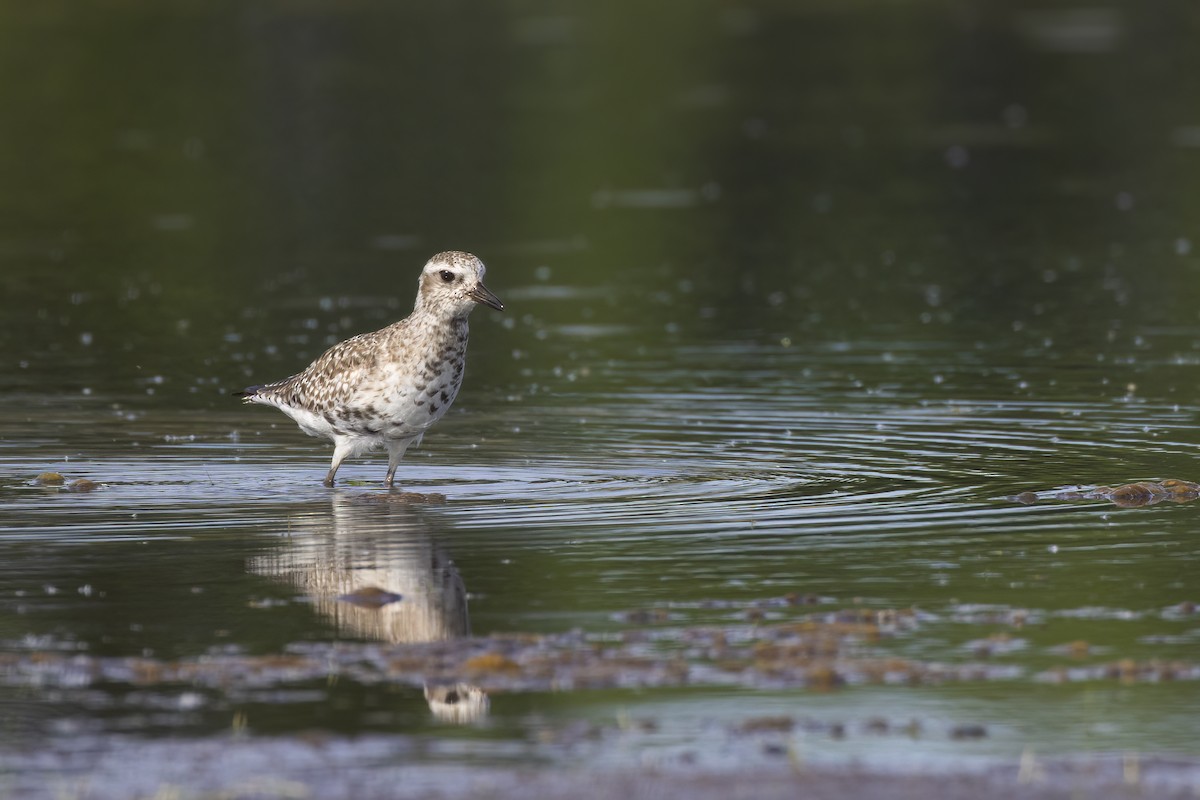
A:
(385, 389)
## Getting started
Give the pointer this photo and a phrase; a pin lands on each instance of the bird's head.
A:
(452, 285)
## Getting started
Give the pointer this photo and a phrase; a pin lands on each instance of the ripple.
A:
(680, 463)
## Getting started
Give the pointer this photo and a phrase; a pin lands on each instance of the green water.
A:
(797, 298)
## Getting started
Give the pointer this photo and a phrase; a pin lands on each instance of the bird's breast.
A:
(408, 402)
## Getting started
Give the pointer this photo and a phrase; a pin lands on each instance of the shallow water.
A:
(732, 477)
(743, 506)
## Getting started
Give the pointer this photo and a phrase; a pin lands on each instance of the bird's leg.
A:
(341, 451)
(395, 450)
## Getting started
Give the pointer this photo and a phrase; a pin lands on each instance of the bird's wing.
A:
(329, 381)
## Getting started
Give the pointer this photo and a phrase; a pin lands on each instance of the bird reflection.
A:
(375, 572)
(457, 702)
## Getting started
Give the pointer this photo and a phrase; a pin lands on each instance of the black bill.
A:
(481, 294)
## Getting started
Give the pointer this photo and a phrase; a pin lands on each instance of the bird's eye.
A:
(447, 276)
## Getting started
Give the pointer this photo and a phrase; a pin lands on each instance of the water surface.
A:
(792, 317)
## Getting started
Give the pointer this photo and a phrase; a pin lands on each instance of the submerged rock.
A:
(1126, 495)
(58, 480)
(400, 498)
(370, 597)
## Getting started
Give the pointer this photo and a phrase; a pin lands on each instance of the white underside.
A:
(356, 443)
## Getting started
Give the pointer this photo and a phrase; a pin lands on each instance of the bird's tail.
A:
(248, 393)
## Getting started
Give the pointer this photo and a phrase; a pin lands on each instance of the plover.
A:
(385, 389)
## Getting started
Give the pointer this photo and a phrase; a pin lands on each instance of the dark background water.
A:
(797, 296)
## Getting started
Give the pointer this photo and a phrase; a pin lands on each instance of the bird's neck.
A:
(440, 327)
